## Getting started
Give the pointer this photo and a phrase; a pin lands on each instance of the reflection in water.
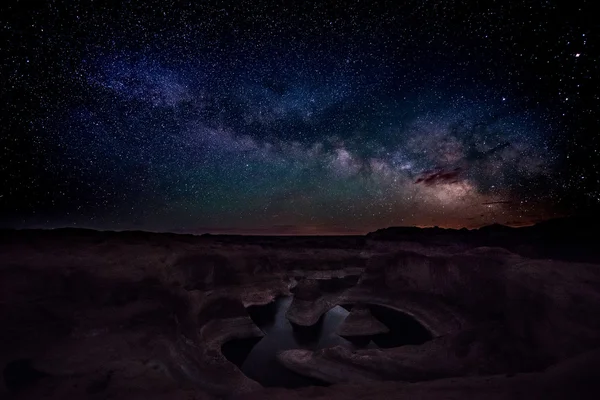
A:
(261, 363)
(258, 360)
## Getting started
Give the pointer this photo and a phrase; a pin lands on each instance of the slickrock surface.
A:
(142, 315)
(484, 350)
(360, 322)
(576, 378)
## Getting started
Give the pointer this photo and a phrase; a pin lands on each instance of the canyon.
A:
(430, 313)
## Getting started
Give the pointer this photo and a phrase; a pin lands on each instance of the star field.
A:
(297, 118)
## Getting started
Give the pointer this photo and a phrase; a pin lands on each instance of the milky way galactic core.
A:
(309, 118)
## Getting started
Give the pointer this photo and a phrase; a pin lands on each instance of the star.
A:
(183, 117)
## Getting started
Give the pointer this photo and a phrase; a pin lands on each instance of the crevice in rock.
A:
(21, 374)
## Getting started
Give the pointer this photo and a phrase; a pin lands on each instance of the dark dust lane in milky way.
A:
(251, 117)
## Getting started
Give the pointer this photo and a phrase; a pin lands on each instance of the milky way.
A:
(256, 117)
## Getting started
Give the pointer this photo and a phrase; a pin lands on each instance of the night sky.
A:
(280, 117)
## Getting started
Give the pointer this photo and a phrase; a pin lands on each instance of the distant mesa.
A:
(568, 238)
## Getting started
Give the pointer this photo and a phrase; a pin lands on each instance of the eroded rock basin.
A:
(257, 358)
(145, 316)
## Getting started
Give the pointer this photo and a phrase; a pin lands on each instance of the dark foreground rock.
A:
(140, 315)
(360, 322)
(484, 350)
(576, 378)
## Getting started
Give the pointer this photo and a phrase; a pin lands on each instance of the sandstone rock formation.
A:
(141, 315)
(360, 322)
(484, 350)
(578, 378)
